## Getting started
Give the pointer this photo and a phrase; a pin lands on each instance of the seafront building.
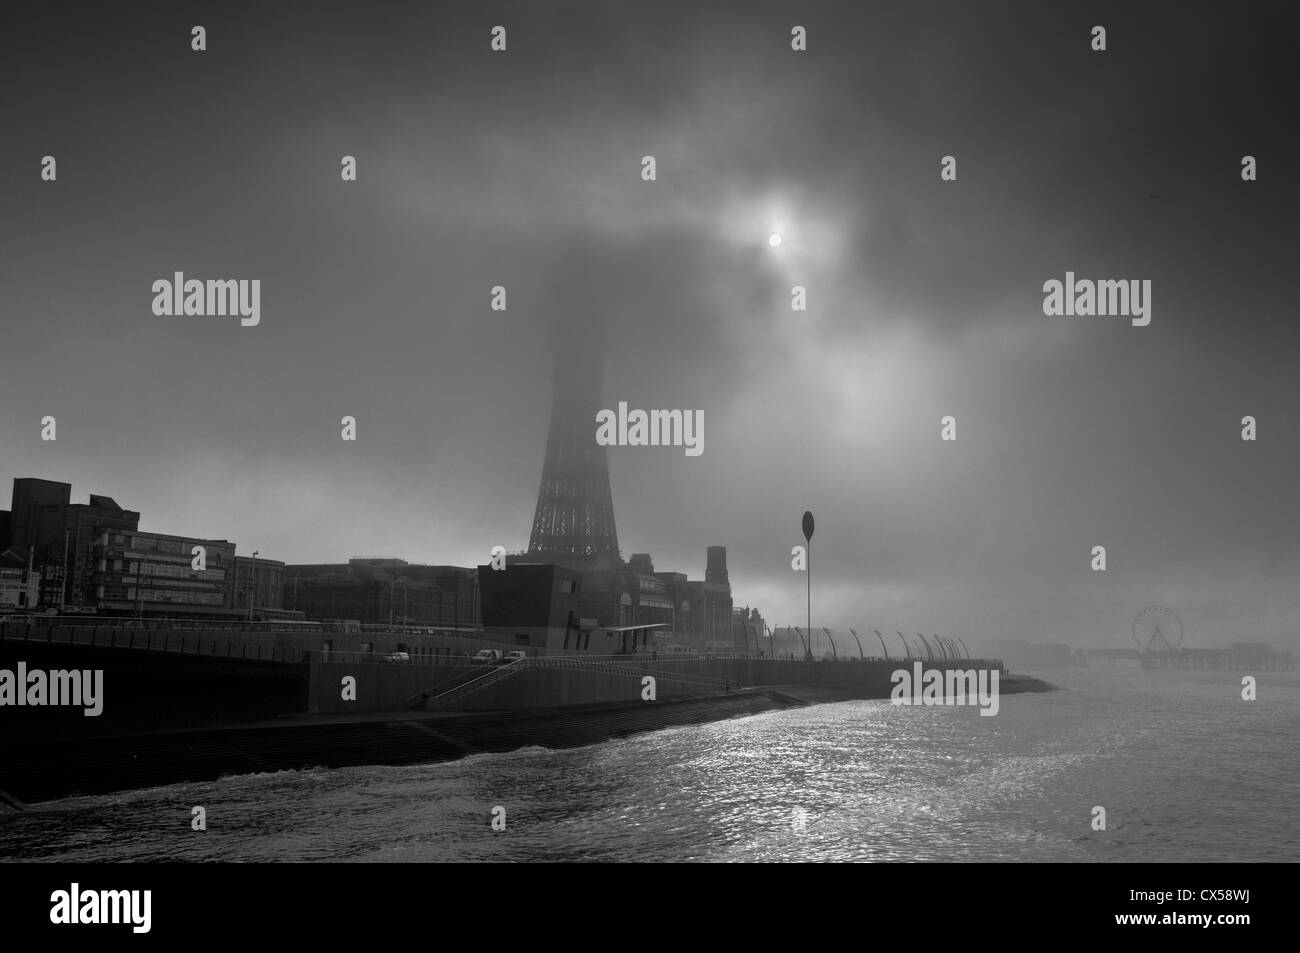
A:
(260, 583)
(19, 589)
(94, 558)
(384, 592)
(133, 570)
(610, 608)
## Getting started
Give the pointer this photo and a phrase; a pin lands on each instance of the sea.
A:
(1183, 767)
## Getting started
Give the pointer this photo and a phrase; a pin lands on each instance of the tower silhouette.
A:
(575, 510)
(574, 521)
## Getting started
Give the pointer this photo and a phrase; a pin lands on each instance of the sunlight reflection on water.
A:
(1185, 769)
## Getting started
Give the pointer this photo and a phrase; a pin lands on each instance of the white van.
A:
(487, 657)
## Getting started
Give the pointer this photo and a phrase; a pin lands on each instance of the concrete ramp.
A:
(564, 680)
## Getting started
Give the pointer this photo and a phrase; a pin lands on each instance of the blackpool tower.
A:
(574, 520)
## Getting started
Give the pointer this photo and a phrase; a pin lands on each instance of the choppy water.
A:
(1185, 769)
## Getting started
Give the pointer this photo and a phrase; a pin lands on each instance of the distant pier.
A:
(1241, 657)
(1260, 659)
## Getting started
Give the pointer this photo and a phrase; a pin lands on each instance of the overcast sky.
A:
(523, 169)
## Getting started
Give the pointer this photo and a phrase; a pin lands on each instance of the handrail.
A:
(493, 675)
(147, 640)
(190, 642)
(311, 627)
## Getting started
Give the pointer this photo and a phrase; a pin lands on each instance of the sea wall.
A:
(151, 690)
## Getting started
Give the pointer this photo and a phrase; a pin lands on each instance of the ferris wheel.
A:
(1157, 628)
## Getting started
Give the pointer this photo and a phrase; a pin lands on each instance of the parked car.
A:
(397, 657)
(487, 657)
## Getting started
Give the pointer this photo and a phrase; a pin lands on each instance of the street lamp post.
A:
(252, 583)
(139, 587)
(807, 535)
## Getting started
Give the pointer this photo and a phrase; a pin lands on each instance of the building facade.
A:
(93, 557)
(384, 592)
(60, 537)
(630, 607)
(256, 581)
(150, 573)
(19, 589)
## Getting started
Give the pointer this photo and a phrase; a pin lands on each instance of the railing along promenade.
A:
(149, 640)
(232, 639)
(246, 640)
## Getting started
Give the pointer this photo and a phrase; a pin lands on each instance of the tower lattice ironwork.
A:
(575, 510)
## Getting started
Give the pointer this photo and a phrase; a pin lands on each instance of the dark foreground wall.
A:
(37, 772)
(152, 690)
(388, 687)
